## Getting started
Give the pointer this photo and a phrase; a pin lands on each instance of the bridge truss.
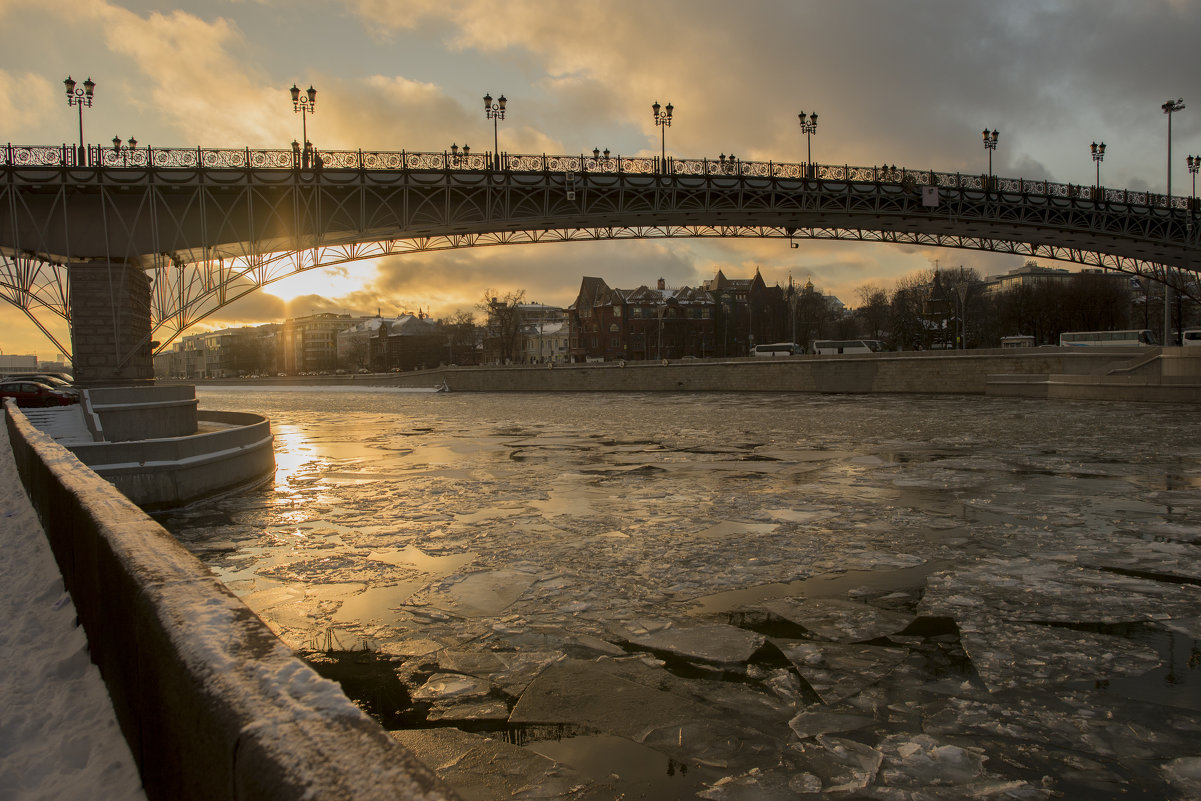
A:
(211, 227)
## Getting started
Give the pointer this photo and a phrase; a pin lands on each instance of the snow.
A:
(59, 738)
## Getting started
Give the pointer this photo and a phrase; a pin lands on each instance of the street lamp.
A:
(1169, 108)
(495, 113)
(1194, 165)
(304, 104)
(80, 97)
(990, 144)
(1098, 156)
(662, 118)
(457, 159)
(126, 150)
(808, 128)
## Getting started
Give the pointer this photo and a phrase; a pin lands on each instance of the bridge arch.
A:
(211, 227)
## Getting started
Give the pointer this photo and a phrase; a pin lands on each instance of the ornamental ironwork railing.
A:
(97, 156)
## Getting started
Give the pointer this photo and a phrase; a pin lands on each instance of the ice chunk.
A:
(922, 761)
(716, 644)
(1184, 773)
(836, 671)
(1009, 655)
(451, 685)
(821, 720)
(838, 620)
(842, 765)
(482, 769)
(469, 710)
(480, 594)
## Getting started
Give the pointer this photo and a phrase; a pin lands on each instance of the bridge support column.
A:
(110, 323)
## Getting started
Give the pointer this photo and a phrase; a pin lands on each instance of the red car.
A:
(34, 393)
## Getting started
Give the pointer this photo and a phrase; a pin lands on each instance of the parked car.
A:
(34, 393)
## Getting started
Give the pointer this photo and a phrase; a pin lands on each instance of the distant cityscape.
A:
(722, 318)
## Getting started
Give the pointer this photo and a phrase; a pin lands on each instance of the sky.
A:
(905, 82)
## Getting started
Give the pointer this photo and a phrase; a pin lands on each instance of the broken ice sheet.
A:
(479, 594)
(922, 761)
(1009, 655)
(838, 620)
(717, 643)
(482, 769)
(1054, 591)
(836, 671)
(841, 765)
(441, 686)
(823, 720)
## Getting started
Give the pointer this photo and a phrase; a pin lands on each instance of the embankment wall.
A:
(212, 704)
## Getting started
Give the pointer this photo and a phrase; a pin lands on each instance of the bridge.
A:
(202, 228)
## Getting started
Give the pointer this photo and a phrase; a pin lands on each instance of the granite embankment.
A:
(1124, 374)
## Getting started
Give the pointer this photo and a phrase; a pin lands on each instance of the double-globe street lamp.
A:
(990, 144)
(304, 105)
(1098, 152)
(808, 128)
(83, 99)
(662, 118)
(1194, 165)
(495, 112)
(124, 151)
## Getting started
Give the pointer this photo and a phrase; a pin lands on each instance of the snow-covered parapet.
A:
(213, 705)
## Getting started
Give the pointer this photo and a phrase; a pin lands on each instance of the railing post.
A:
(360, 158)
(199, 158)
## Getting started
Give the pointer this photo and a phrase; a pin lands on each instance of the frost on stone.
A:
(838, 620)
(716, 644)
(1053, 591)
(836, 671)
(821, 720)
(1010, 655)
(483, 769)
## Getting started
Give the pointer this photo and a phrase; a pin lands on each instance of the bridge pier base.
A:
(110, 323)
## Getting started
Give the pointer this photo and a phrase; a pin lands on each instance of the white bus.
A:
(1191, 337)
(1077, 339)
(826, 347)
(778, 349)
(1018, 341)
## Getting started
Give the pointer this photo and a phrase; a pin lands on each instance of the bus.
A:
(1017, 341)
(778, 349)
(1077, 339)
(826, 347)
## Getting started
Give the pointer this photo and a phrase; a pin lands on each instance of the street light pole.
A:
(1194, 164)
(1169, 108)
(663, 119)
(990, 144)
(495, 113)
(305, 104)
(80, 97)
(1098, 156)
(808, 128)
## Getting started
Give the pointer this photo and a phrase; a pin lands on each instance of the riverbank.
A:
(1170, 375)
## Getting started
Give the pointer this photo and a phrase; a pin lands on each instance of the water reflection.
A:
(905, 584)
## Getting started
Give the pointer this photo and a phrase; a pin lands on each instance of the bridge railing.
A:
(226, 158)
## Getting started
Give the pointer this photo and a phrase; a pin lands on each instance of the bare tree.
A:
(873, 309)
(502, 335)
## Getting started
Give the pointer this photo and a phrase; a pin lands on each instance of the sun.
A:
(326, 282)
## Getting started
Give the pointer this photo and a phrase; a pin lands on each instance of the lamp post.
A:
(495, 112)
(126, 150)
(459, 159)
(1169, 108)
(662, 118)
(1194, 165)
(808, 128)
(81, 98)
(304, 104)
(990, 144)
(1098, 156)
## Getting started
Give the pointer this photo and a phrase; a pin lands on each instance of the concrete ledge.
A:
(170, 472)
(214, 707)
(130, 413)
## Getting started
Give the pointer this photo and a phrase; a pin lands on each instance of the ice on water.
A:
(790, 596)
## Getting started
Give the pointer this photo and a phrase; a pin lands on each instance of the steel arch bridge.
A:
(211, 226)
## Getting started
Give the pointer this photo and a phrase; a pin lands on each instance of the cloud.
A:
(25, 98)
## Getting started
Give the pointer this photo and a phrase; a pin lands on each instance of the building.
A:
(613, 324)
(310, 344)
(408, 343)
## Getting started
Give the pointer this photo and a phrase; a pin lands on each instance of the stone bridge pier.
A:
(110, 323)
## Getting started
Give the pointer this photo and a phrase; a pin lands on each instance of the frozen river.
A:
(760, 596)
